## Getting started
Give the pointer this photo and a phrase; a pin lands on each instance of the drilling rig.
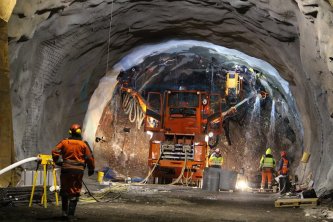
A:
(181, 123)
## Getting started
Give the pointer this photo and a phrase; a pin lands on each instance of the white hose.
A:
(140, 118)
(10, 167)
(133, 110)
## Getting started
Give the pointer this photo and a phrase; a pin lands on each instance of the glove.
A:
(90, 172)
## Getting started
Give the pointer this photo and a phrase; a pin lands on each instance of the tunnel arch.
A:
(114, 150)
(71, 39)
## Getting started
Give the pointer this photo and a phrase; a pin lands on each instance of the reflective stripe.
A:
(74, 163)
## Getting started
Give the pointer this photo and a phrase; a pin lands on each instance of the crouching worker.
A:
(283, 171)
(73, 155)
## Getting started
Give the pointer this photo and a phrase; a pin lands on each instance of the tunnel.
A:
(64, 60)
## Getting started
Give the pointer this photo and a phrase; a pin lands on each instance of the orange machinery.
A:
(181, 123)
(180, 127)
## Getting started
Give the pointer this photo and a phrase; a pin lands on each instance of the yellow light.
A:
(242, 185)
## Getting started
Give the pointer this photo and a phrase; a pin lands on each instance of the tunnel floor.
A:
(134, 202)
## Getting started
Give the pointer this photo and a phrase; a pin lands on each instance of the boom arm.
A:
(142, 102)
(218, 117)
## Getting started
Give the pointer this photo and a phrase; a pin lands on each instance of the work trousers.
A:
(71, 184)
(266, 173)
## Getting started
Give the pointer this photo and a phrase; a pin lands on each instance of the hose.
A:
(183, 170)
(10, 167)
(140, 118)
(133, 110)
(152, 170)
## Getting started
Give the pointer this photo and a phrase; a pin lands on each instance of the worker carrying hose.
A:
(267, 165)
(73, 155)
(216, 159)
(283, 170)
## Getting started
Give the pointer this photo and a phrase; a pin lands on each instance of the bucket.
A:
(100, 176)
(305, 157)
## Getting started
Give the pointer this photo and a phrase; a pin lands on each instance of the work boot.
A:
(64, 206)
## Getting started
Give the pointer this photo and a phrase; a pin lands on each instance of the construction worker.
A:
(72, 154)
(216, 159)
(267, 165)
(283, 170)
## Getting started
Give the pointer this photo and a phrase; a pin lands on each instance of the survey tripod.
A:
(46, 161)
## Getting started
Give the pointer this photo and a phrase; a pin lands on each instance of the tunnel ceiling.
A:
(58, 53)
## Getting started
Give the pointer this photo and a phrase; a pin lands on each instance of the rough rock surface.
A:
(59, 51)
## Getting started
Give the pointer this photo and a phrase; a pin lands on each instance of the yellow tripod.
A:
(45, 161)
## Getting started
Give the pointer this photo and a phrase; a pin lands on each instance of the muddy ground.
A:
(135, 202)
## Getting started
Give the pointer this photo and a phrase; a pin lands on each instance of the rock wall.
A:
(59, 51)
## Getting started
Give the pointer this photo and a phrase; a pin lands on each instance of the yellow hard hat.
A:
(268, 151)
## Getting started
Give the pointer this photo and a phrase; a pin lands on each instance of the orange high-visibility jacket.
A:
(76, 154)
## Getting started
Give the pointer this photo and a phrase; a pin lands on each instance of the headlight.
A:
(150, 134)
(206, 139)
(210, 134)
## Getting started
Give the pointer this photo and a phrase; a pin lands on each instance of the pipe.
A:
(10, 167)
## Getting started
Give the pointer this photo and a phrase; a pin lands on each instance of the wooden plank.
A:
(296, 202)
(262, 190)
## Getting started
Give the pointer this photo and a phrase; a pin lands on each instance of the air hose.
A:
(183, 170)
(152, 170)
(133, 110)
(10, 167)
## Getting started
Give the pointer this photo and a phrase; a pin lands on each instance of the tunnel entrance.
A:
(271, 120)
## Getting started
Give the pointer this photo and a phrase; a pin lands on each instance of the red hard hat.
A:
(75, 129)
(283, 153)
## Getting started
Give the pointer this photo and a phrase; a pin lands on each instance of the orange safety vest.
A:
(284, 170)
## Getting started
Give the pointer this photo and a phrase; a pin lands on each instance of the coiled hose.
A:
(132, 108)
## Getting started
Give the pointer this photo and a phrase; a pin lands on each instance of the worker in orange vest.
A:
(267, 165)
(73, 155)
(283, 170)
